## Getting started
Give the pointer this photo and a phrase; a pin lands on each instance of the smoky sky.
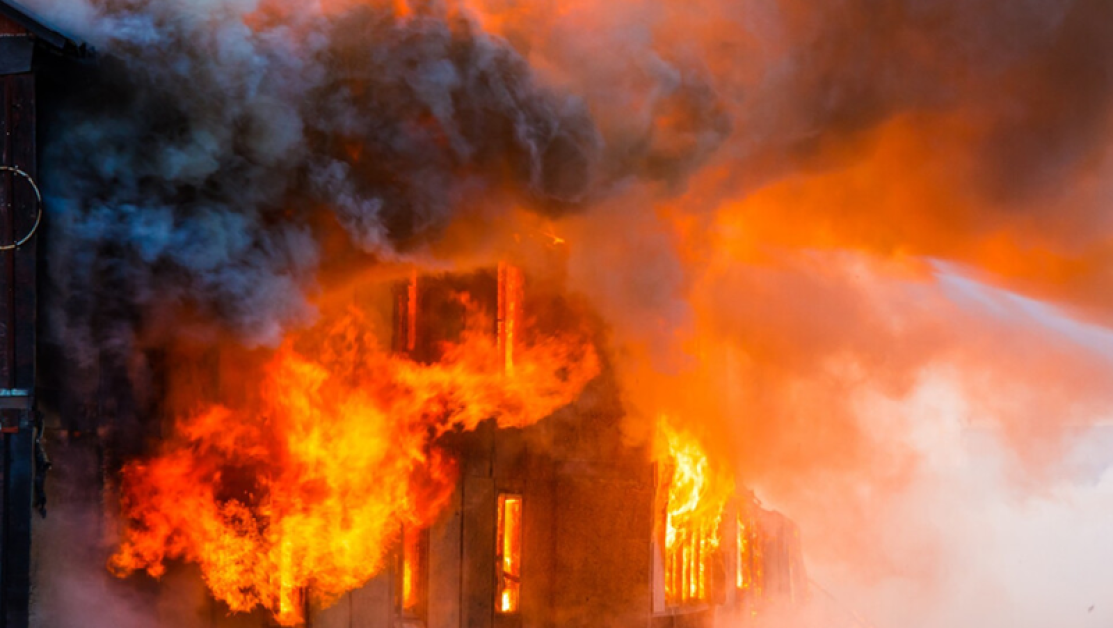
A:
(803, 82)
(228, 151)
(199, 169)
(219, 141)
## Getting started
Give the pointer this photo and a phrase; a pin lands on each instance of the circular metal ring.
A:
(38, 204)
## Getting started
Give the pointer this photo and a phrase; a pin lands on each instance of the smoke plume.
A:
(862, 246)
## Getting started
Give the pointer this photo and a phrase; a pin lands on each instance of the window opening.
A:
(509, 559)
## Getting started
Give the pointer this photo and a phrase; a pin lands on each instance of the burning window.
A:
(689, 548)
(689, 506)
(509, 548)
(410, 576)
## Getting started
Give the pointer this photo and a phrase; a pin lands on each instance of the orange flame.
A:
(510, 553)
(695, 493)
(300, 489)
(411, 566)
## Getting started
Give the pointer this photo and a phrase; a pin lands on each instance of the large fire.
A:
(859, 252)
(301, 488)
(696, 493)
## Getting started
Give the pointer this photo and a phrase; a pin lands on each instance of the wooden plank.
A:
(338, 615)
(602, 566)
(477, 599)
(444, 565)
(372, 604)
(538, 514)
(477, 451)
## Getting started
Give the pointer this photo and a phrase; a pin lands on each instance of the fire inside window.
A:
(509, 544)
(689, 550)
(410, 577)
(687, 561)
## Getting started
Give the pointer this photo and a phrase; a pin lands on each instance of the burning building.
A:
(283, 378)
(448, 450)
(554, 519)
(564, 523)
(482, 313)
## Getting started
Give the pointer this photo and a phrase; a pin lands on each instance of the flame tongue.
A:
(304, 486)
(695, 494)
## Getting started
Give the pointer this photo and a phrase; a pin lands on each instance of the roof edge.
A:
(44, 33)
